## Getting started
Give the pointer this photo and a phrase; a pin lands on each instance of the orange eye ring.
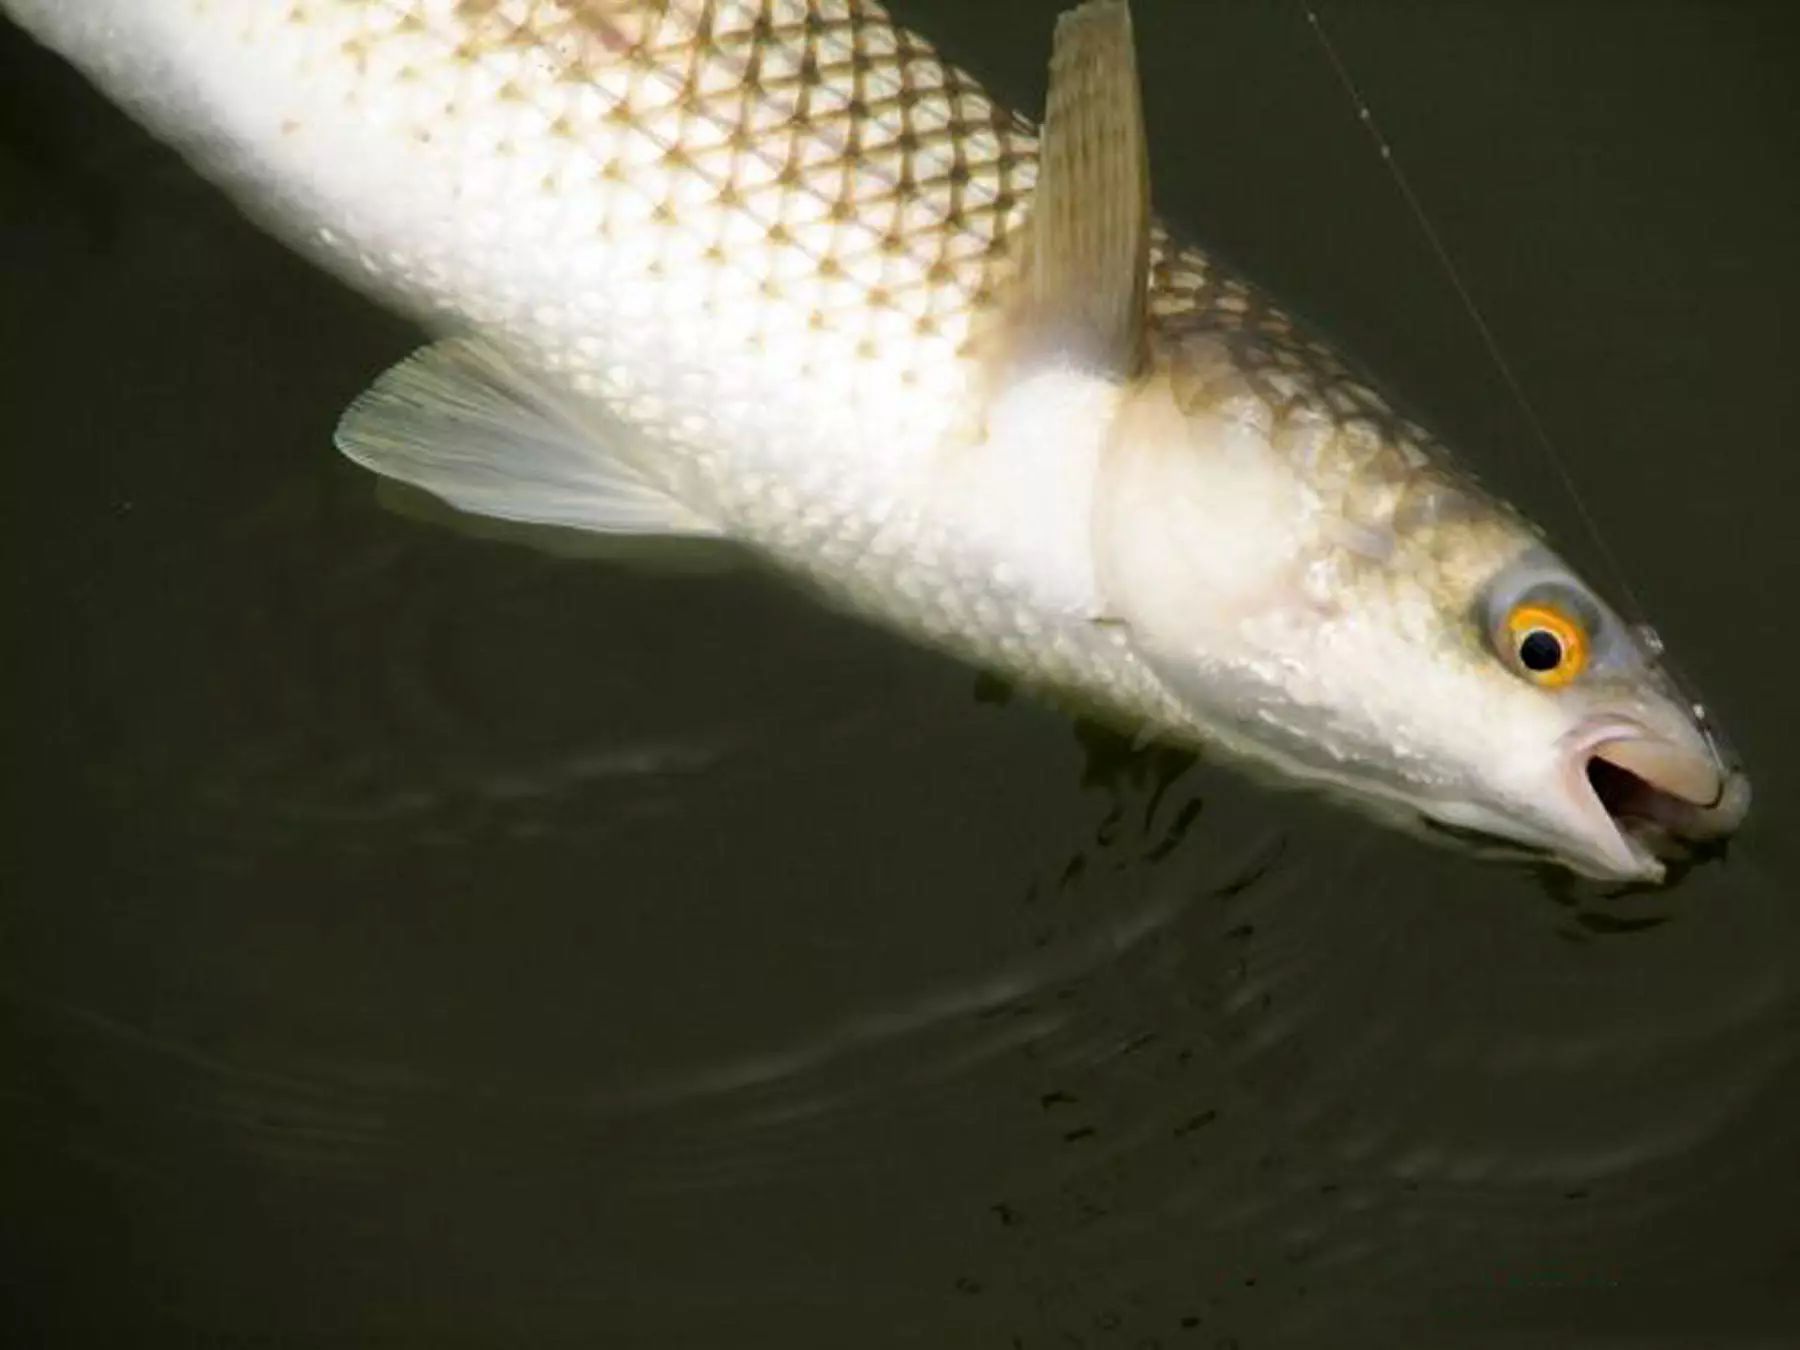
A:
(1549, 646)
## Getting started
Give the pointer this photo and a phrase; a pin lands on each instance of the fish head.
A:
(1600, 758)
(1391, 633)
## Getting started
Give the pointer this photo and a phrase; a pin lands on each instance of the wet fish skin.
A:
(762, 256)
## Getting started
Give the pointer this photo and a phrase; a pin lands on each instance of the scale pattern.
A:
(763, 235)
(802, 177)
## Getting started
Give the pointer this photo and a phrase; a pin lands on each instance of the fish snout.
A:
(1665, 794)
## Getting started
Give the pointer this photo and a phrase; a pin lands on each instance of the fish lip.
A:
(1650, 799)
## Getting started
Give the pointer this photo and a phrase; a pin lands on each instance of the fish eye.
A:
(1549, 644)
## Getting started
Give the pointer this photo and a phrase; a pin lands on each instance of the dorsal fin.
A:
(1086, 259)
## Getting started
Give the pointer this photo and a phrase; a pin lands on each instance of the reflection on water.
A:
(422, 939)
(1197, 1072)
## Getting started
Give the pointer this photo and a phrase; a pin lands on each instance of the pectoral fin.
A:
(459, 420)
(1081, 289)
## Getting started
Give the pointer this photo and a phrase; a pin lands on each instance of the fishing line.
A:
(1447, 261)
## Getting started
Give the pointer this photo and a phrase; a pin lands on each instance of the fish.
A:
(774, 273)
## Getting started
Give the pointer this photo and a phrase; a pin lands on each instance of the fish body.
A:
(773, 271)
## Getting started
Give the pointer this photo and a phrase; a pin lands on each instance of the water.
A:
(420, 940)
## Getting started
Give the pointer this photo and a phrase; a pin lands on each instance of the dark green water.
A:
(414, 940)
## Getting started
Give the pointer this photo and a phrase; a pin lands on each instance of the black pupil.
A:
(1541, 651)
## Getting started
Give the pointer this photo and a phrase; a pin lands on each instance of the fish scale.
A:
(773, 270)
(798, 194)
(779, 195)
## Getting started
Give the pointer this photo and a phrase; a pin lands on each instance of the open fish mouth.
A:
(1659, 800)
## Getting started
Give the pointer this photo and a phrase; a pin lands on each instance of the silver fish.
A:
(772, 271)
